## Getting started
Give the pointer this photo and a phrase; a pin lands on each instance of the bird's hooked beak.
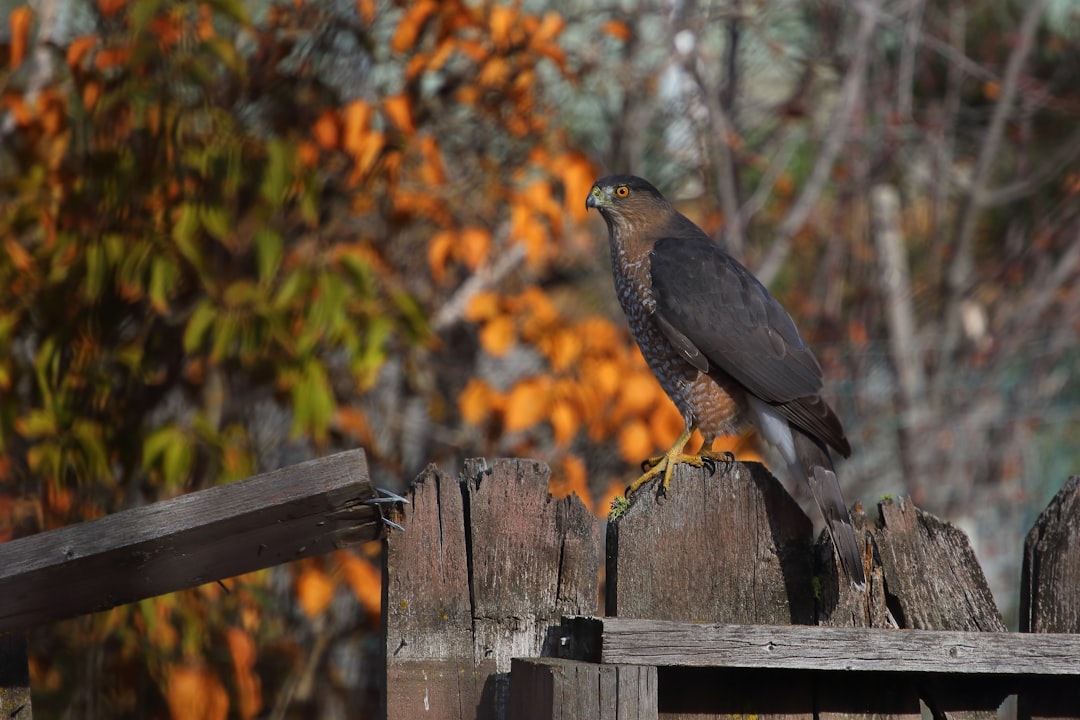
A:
(597, 198)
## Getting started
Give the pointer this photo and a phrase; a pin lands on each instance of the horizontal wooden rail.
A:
(665, 643)
(220, 532)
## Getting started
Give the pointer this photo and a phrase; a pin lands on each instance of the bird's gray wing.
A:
(707, 303)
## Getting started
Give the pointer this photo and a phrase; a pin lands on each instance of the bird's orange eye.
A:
(622, 191)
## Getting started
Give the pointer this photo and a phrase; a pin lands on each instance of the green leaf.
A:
(313, 402)
(185, 233)
(94, 281)
(163, 278)
(269, 248)
(215, 220)
(277, 173)
(200, 321)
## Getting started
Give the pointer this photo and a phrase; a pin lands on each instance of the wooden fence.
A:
(717, 600)
(718, 603)
(299, 511)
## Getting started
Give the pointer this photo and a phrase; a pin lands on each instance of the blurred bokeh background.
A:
(238, 234)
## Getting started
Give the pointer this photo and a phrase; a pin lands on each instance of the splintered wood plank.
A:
(428, 635)
(726, 546)
(14, 678)
(555, 689)
(307, 509)
(670, 643)
(488, 565)
(1050, 591)
(932, 572)
(1050, 581)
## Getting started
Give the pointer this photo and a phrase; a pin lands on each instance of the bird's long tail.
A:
(814, 467)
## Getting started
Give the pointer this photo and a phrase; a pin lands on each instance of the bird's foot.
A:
(665, 465)
(710, 458)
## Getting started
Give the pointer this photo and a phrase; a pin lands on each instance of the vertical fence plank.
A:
(14, 678)
(555, 689)
(1050, 589)
(487, 565)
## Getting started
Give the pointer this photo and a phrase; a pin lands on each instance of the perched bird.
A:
(724, 350)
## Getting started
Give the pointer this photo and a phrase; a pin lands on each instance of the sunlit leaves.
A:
(194, 692)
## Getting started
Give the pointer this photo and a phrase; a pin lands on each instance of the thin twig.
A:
(839, 127)
(962, 267)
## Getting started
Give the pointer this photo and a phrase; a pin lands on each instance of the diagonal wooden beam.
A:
(307, 509)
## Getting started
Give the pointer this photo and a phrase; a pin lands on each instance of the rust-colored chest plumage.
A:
(711, 401)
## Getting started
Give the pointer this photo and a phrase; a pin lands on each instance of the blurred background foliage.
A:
(238, 234)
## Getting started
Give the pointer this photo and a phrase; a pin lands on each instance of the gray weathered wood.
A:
(727, 546)
(14, 678)
(1050, 589)
(487, 566)
(1050, 580)
(220, 532)
(556, 689)
(932, 572)
(935, 583)
(671, 643)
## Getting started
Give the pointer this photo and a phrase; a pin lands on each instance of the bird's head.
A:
(626, 200)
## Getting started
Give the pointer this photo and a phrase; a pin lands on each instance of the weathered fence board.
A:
(486, 566)
(557, 689)
(669, 643)
(723, 546)
(1050, 587)
(220, 532)
(14, 678)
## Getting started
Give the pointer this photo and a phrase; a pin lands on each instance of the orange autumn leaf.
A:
(90, 94)
(314, 591)
(616, 29)
(637, 393)
(364, 579)
(20, 20)
(495, 73)
(399, 109)
(194, 692)
(665, 424)
(326, 131)
(576, 173)
(549, 28)
(634, 442)
(498, 335)
(527, 404)
(473, 245)
(112, 57)
(482, 306)
(248, 683)
(564, 422)
(438, 253)
(562, 348)
(111, 7)
(351, 421)
(475, 401)
(432, 171)
(412, 24)
(500, 23)
(20, 258)
(570, 480)
(356, 118)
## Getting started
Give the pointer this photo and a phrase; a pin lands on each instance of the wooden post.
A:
(487, 568)
(732, 547)
(556, 689)
(1050, 590)
(723, 546)
(220, 532)
(14, 678)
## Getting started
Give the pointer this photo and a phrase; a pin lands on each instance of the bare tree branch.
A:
(962, 267)
(837, 134)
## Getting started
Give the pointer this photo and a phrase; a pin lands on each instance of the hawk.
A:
(724, 350)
